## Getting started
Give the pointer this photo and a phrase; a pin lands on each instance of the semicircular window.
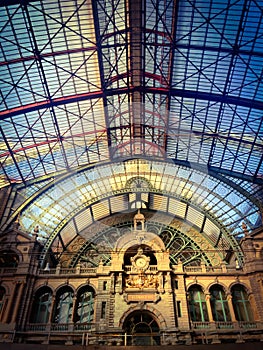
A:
(181, 249)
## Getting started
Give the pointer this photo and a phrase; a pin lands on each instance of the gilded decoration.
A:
(142, 281)
(139, 279)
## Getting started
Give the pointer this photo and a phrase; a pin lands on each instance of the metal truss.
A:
(88, 82)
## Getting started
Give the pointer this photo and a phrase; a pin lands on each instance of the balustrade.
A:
(68, 271)
(58, 327)
(127, 269)
(8, 270)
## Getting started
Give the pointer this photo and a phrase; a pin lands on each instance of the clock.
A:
(140, 262)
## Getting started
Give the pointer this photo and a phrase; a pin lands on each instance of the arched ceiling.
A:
(97, 94)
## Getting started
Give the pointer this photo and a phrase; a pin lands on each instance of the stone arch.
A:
(41, 305)
(217, 283)
(242, 296)
(196, 284)
(86, 285)
(84, 305)
(64, 303)
(236, 283)
(7, 288)
(43, 285)
(11, 256)
(145, 307)
(137, 238)
(64, 285)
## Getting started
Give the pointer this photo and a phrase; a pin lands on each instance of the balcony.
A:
(241, 325)
(128, 269)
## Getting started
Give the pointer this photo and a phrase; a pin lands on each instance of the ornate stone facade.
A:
(139, 297)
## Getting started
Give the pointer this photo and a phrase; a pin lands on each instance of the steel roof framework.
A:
(87, 81)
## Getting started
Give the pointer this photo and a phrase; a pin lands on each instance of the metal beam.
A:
(254, 104)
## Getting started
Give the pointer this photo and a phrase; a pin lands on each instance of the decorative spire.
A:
(139, 221)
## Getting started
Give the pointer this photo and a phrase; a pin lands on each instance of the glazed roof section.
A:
(65, 208)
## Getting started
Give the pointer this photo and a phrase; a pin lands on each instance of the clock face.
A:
(140, 262)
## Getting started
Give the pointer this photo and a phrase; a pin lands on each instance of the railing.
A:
(91, 334)
(151, 268)
(78, 270)
(68, 271)
(58, 327)
(224, 325)
(7, 270)
(61, 327)
(47, 271)
(218, 269)
(36, 327)
(204, 269)
(227, 325)
(88, 270)
(128, 268)
(193, 269)
(82, 326)
(201, 325)
(250, 325)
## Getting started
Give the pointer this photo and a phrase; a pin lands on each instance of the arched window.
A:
(64, 305)
(2, 301)
(42, 306)
(241, 304)
(142, 329)
(84, 312)
(219, 304)
(8, 259)
(197, 304)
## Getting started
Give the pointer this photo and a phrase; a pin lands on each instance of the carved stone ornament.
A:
(140, 262)
(141, 298)
(142, 281)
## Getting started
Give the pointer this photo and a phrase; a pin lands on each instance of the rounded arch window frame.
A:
(197, 307)
(60, 304)
(39, 304)
(244, 313)
(138, 312)
(86, 307)
(15, 253)
(219, 303)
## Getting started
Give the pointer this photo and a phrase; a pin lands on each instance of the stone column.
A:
(53, 302)
(209, 309)
(10, 303)
(74, 300)
(18, 300)
(13, 303)
(167, 286)
(231, 308)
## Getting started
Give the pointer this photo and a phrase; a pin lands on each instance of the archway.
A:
(141, 328)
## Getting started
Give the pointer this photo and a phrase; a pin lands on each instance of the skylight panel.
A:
(101, 209)
(83, 220)
(118, 203)
(68, 233)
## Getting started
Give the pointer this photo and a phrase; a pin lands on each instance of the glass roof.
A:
(87, 82)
